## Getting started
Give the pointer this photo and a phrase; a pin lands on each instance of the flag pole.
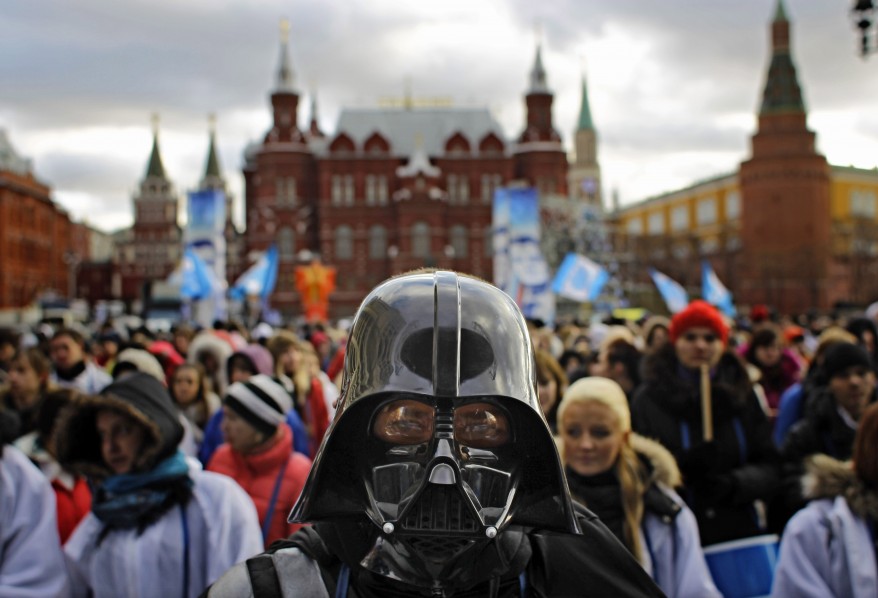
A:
(706, 406)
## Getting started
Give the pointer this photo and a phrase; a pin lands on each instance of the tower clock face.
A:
(589, 185)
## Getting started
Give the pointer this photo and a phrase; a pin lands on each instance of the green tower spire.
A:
(585, 122)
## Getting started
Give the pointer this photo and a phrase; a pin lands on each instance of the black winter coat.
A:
(821, 430)
(721, 479)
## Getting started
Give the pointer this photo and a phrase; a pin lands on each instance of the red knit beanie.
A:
(699, 313)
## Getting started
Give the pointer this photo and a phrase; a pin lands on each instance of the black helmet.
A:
(438, 438)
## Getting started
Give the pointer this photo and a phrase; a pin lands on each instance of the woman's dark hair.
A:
(764, 337)
(865, 455)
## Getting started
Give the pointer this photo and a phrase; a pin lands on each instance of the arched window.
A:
(420, 239)
(377, 242)
(286, 243)
(344, 243)
(459, 241)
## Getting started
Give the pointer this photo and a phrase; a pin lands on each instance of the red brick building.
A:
(35, 234)
(392, 188)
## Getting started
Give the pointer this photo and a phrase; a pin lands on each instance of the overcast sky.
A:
(674, 86)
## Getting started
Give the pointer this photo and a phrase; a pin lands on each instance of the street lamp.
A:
(863, 15)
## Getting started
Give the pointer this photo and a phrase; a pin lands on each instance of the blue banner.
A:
(580, 278)
(259, 279)
(204, 235)
(715, 292)
(675, 296)
(196, 281)
(519, 267)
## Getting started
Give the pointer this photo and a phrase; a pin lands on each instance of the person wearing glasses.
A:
(735, 464)
(439, 476)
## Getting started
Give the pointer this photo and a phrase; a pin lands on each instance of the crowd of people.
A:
(144, 463)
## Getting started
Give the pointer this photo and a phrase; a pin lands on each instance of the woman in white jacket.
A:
(627, 481)
(828, 548)
(159, 526)
(31, 562)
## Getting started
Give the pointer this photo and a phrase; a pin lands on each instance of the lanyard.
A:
(185, 523)
(269, 515)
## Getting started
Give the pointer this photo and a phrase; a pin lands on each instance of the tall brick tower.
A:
(153, 248)
(585, 172)
(785, 219)
(280, 183)
(540, 159)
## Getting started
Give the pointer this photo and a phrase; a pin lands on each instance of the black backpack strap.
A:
(263, 576)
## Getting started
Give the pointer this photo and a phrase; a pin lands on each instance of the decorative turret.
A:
(285, 99)
(213, 178)
(314, 129)
(538, 74)
(782, 92)
(155, 168)
(284, 70)
(538, 102)
(585, 172)
(585, 123)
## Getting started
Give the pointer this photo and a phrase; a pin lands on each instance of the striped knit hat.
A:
(261, 401)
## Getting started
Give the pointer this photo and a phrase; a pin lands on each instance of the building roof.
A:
(781, 12)
(9, 158)
(782, 91)
(155, 168)
(212, 167)
(284, 83)
(401, 127)
(585, 122)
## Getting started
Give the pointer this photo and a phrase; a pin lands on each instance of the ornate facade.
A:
(391, 189)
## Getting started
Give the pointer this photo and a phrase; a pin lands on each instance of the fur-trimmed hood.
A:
(678, 389)
(659, 461)
(141, 397)
(829, 478)
(221, 350)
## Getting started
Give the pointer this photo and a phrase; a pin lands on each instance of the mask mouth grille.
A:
(438, 548)
(442, 510)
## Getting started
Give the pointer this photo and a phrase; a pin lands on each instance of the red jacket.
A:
(316, 415)
(72, 505)
(257, 474)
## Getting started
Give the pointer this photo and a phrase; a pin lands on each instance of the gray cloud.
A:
(98, 63)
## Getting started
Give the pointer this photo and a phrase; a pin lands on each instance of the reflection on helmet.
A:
(438, 438)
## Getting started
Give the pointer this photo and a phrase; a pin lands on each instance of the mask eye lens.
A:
(481, 425)
(404, 422)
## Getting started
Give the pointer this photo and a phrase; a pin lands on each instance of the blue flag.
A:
(259, 279)
(196, 281)
(675, 296)
(715, 292)
(580, 278)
